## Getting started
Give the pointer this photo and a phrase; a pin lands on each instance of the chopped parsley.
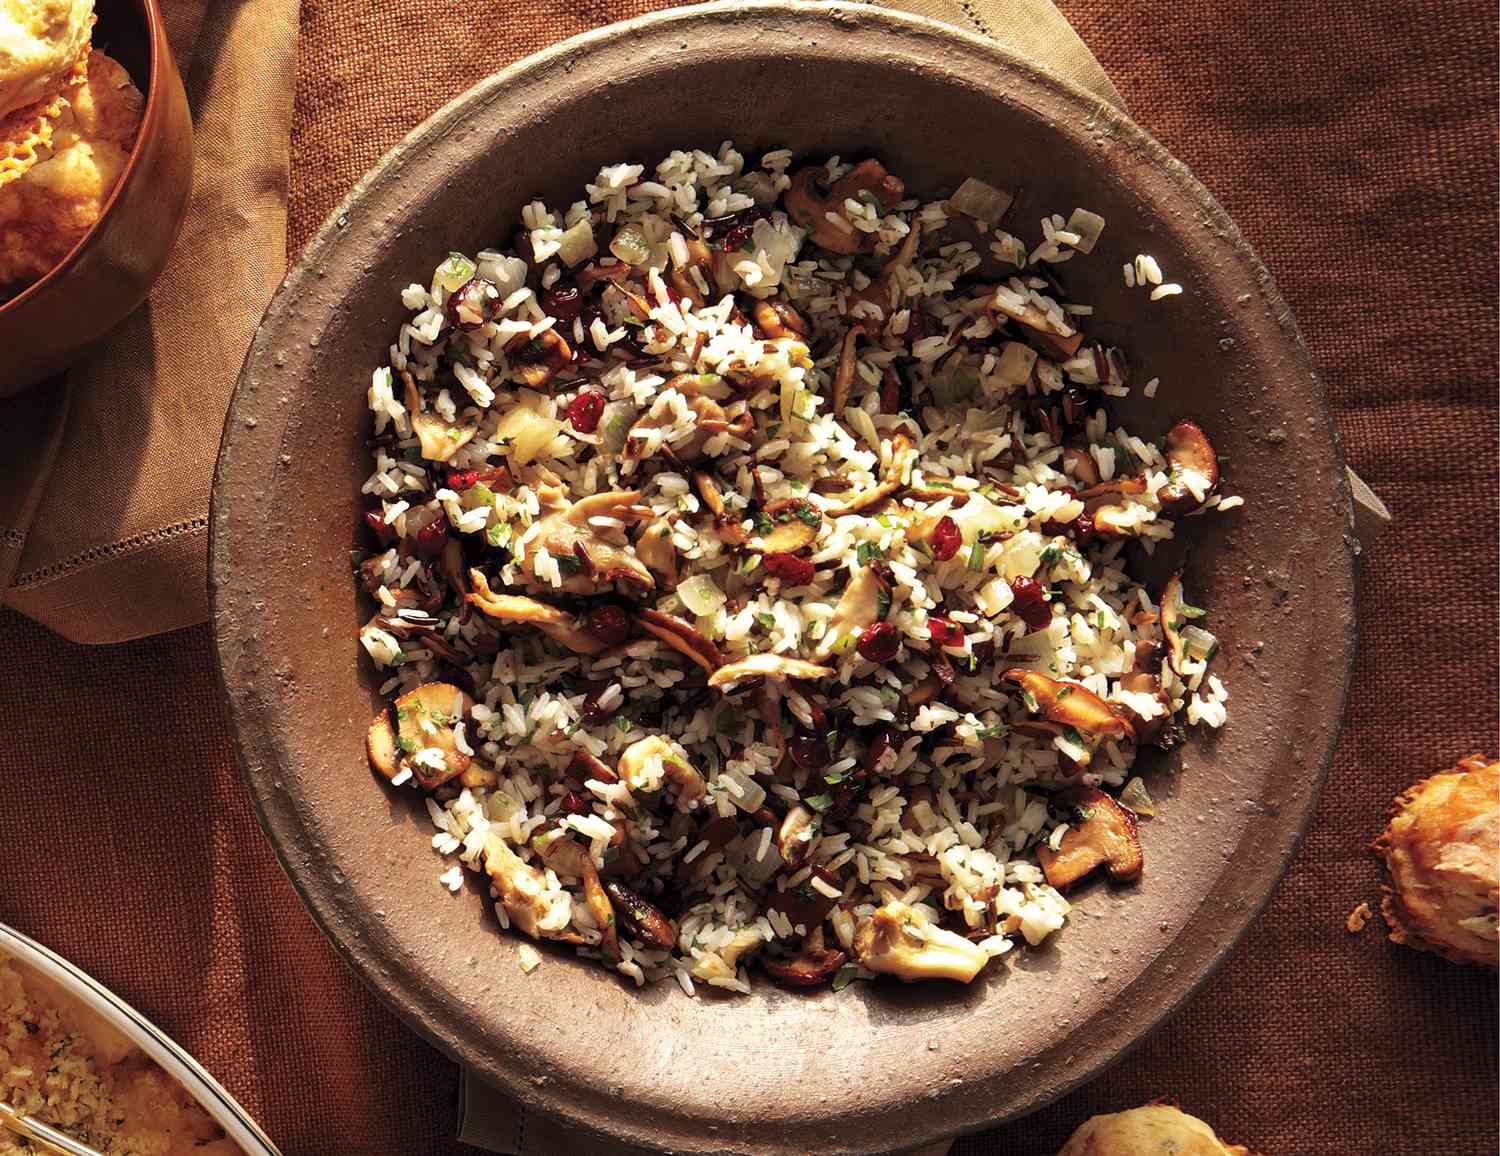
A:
(808, 516)
(766, 619)
(976, 554)
(568, 563)
(1050, 555)
(845, 976)
(867, 552)
(819, 803)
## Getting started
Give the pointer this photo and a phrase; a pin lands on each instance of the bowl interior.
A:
(876, 1067)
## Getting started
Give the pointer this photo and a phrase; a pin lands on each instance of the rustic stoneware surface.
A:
(110, 271)
(776, 1072)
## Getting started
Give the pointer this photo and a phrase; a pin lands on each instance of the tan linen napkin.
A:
(104, 503)
(488, 1117)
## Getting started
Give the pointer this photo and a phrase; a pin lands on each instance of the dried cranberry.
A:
(789, 568)
(945, 632)
(593, 713)
(608, 623)
(575, 804)
(890, 394)
(946, 538)
(738, 237)
(1082, 528)
(463, 479)
(585, 410)
(432, 537)
(879, 642)
(1030, 603)
(809, 750)
(880, 746)
(563, 301)
(384, 532)
(473, 303)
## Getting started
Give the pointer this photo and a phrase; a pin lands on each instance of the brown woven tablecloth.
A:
(1355, 145)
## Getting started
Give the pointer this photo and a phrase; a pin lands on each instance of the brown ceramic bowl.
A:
(110, 271)
(878, 1067)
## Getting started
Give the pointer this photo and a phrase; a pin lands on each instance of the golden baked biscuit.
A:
(1152, 1130)
(1442, 850)
(26, 132)
(48, 210)
(40, 41)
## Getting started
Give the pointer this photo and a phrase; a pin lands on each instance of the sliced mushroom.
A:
(1114, 521)
(709, 418)
(682, 637)
(1193, 465)
(1172, 621)
(896, 474)
(1145, 682)
(778, 319)
(566, 855)
(1105, 835)
(439, 440)
(1131, 485)
(425, 718)
(536, 359)
(728, 525)
(806, 906)
(595, 556)
(637, 765)
(723, 962)
(381, 747)
(776, 666)
(640, 917)
(884, 292)
(857, 607)
(796, 523)
(534, 907)
(814, 964)
(1069, 703)
(1058, 340)
(761, 373)
(585, 766)
(1080, 465)
(925, 691)
(795, 835)
(516, 609)
(843, 377)
(809, 205)
(897, 940)
(653, 546)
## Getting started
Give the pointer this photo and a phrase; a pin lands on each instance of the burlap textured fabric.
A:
(108, 540)
(1355, 147)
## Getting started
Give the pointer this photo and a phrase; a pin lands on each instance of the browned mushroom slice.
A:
(1132, 485)
(804, 905)
(749, 376)
(1080, 465)
(709, 418)
(381, 747)
(596, 557)
(809, 205)
(1105, 835)
(653, 546)
(534, 907)
(777, 666)
(1041, 328)
(639, 763)
(816, 963)
(897, 940)
(515, 609)
(925, 691)
(896, 474)
(585, 766)
(682, 637)
(1172, 621)
(1112, 521)
(439, 440)
(795, 835)
(1193, 466)
(1068, 703)
(728, 525)
(425, 719)
(796, 523)
(564, 854)
(857, 607)
(640, 917)
(536, 359)
(843, 377)
(1145, 682)
(778, 319)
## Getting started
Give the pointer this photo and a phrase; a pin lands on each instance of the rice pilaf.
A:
(751, 577)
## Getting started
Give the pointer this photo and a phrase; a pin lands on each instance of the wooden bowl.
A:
(111, 269)
(878, 1067)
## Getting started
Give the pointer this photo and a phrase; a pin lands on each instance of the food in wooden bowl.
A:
(752, 537)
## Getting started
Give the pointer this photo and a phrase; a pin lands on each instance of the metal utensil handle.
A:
(50, 1139)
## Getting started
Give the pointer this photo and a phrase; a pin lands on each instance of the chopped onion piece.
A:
(630, 245)
(745, 793)
(1015, 364)
(577, 244)
(983, 202)
(1135, 796)
(1088, 226)
(700, 595)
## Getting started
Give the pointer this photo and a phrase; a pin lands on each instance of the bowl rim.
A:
(277, 812)
(165, 1051)
(156, 38)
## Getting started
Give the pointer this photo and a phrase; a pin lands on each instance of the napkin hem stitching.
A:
(106, 553)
